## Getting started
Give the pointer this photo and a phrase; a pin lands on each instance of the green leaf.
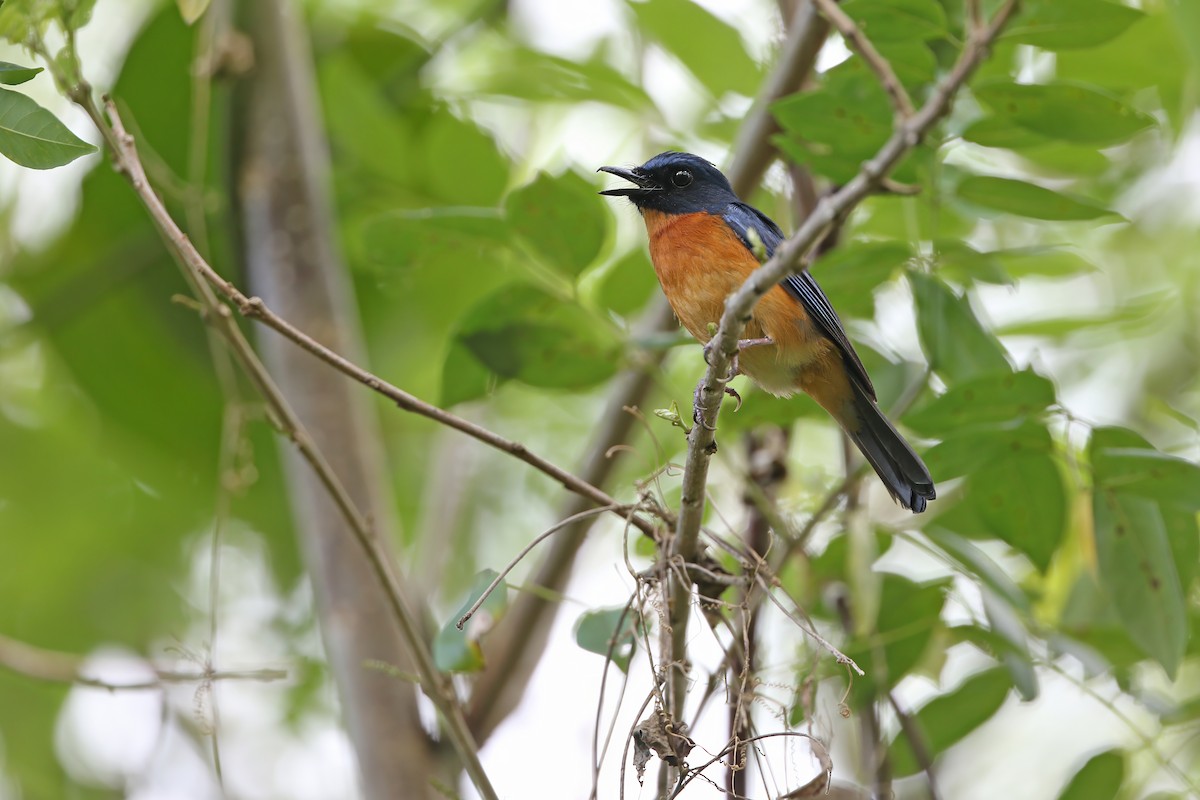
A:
(909, 614)
(458, 651)
(954, 341)
(464, 378)
(838, 125)
(1138, 573)
(562, 219)
(530, 74)
(192, 10)
(13, 74)
(945, 720)
(33, 137)
(1026, 199)
(981, 565)
(850, 273)
(957, 261)
(627, 284)
(1124, 461)
(1070, 24)
(1012, 644)
(912, 61)
(1068, 111)
(898, 20)
(1046, 262)
(408, 238)
(609, 631)
(1121, 65)
(1021, 500)
(460, 162)
(924, 216)
(1001, 131)
(694, 35)
(986, 400)
(524, 333)
(1099, 779)
(364, 128)
(1066, 159)
(969, 450)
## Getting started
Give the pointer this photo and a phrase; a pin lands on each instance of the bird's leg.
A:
(742, 344)
(734, 371)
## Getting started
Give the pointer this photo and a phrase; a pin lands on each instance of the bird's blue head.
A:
(674, 183)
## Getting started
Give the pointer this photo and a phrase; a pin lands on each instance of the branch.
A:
(462, 621)
(126, 161)
(513, 650)
(753, 150)
(916, 740)
(856, 39)
(788, 257)
(57, 667)
(121, 144)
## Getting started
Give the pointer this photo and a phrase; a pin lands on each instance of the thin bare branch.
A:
(974, 15)
(591, 512)
(57, 667)
(254, 308)
(788, 257)
(126, 160)
(882, 68)
(916, 740)
(818, 747)
(753, 150)
(513, 649)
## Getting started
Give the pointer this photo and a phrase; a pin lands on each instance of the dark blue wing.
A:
(742, 217)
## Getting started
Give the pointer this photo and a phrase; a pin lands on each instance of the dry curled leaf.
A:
(657, 734)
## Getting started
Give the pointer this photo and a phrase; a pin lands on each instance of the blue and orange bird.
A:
(701, 246)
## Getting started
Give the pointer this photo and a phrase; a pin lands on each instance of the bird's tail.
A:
(901, 470)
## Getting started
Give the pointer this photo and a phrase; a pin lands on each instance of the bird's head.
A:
(674, 183)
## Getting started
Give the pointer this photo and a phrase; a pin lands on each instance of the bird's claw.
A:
(732, 392)
(734, 370)
(698, 408)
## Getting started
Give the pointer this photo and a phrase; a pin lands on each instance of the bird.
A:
(702, 245)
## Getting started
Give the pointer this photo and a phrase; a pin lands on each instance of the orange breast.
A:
(700, 261)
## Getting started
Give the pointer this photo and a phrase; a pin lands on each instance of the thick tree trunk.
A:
(288, 247)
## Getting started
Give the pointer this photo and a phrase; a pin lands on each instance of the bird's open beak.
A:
(643, 183)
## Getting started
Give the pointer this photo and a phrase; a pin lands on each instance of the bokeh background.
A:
(1030, 315)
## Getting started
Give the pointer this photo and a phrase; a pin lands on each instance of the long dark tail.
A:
(901, 470)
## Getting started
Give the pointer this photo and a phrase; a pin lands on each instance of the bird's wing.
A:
(802, 286)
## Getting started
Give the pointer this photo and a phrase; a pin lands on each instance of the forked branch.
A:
(789, 257)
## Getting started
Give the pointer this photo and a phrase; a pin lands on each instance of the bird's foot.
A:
(732, 392)
(743, 344)
(698, 407)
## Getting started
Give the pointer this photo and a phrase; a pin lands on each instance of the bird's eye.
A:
(682, 178)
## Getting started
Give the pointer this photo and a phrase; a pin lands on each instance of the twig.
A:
(254, 308)
(974, 15)
(127, 162)
(857, 40)
(591, 512)
(753, 150)
(811, 631)
(526, 625)
(598, 753)
(822, 756)
(58, 667)
(916, 740)
(767, 469)
(788, 256)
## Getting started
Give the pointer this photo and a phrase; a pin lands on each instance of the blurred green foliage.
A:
(492, 278)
